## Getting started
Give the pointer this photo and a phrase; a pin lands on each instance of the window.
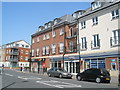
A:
(55, 22)
(96, 41)
(33, 41)
(26, 58)
(38, 39)
(44, 37)
(61, 47)
(71, 32)
(27, 46)
(22, 51)
(47, 49)
(32, 52)
(44, 50)
(83, 43)
(61, 31)
(17, 45)
(115, 14)
(37, 52)
(83, 25)
(96, 5)
(48, 36)
(71, 46)
(95, 20)
(21, 57)
(26, 52)
(116, 37)
(22, 45)
(53, 48)
(45, 26)
(53, 34)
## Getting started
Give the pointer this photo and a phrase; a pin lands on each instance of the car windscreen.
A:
(62, 70)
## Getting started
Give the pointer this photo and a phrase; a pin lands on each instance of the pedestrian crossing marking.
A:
(59, 84)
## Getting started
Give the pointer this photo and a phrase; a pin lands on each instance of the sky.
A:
(21, 19)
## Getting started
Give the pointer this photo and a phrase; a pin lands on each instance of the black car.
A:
(98, 75)
(58, 72)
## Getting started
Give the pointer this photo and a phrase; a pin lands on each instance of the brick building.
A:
(16, 54)
(53, 43)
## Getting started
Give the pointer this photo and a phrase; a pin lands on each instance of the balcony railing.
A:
(115, 41)
(14, 53)
(13, 59)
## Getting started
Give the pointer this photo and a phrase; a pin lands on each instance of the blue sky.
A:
(21, 19)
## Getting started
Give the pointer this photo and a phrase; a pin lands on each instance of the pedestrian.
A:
(2, 68)
(23, 68)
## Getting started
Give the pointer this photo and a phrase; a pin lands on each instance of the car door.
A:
(87, 74)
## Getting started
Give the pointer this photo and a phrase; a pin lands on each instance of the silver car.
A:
(58, 72)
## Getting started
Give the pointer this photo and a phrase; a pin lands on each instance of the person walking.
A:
(23, 68)
(2, 68)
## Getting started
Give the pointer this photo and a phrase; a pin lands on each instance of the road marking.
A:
(58, 84)
(8, 74)
(26, 77)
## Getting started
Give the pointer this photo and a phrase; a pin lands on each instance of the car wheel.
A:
(79, 78)
(60, 76)
(98, 80)
(49, 74)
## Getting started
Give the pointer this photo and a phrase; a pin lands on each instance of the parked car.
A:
(58, 72)
(98, 75)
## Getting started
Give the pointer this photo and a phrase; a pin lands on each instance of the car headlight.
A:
(101, 76)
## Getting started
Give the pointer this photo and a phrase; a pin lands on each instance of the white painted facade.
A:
(104, 28)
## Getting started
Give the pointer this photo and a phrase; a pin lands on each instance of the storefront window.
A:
(101, 63)
(93, 63)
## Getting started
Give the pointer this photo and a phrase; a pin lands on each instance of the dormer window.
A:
(49, 25)
(75, 15)
(55, 22)
(45, 26)
(96, 5)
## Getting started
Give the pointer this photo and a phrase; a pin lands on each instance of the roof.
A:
(63, 20)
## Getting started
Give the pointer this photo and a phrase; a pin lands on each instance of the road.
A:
(17, 79)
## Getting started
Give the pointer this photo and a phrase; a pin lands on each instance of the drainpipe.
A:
(78, 44)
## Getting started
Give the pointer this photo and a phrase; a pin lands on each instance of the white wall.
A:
(104, 28)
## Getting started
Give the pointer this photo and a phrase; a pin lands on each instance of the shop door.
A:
(40, 66)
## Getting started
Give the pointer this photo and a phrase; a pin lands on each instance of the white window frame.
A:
(95, 20)
(96, 42)
(61, 31)
(47, 36)
(83, 43)
(21, 57)
(44, 37)
(116, 37)
(53, 48)
(38, 39)
(53, 34)
(26, 52)
(37, 51)
(26, 58)
(83, 24)
(115, 14)
(43, 50)
(61, 47)
(32, 52)
(47, 50)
